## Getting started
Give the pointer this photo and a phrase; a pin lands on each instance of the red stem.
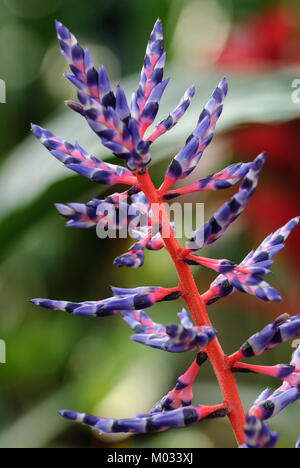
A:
(198, 311)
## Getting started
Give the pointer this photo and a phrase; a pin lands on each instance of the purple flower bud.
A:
(275, 403)
(174, 338)
(294, 379)
(230, 211)
(107, 97)
(151, 77)
(256, 263)
(296, 359)
(140, 298)
(288, 330)
(264, 395)
(85, 77)
(132, 259)
(258, 434)
(151, 108)
(112, 213)
(281, 330)
(265, 250)
(220, 181)
(156, 422)
(78, 160)
(169, 122)
(122, 108)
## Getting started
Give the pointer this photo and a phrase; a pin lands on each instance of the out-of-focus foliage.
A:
(87, 364)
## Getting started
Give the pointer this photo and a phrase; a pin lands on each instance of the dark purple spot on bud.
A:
(109, 100)
(170, 196)
(234, 205)
(175, 168)
(190, 416)
(261, 257)
(201, 358)
(222, 184)
(212, 301)
(141, 301)
(220, 413)
(92, 77)
(247, 350)
(215, 227)
(171, 297)
(77, 52)
(236, 370)
(268, 409)
(172, 330)
(191, 262)
(117, 427)
(90, 420)
(168, 122)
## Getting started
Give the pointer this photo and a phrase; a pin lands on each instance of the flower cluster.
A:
(174, 338)
(121, 127)
(268, 404)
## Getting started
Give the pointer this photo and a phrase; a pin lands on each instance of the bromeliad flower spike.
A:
(121, 127)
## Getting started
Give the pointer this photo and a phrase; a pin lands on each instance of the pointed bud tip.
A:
(259, 161)
(58, 24)
(117, 263)
(296, 219)
(63, 209)
(35, 301)
(36, 130)
(262, 156)
(191, 91)
(67, 414)
(224, 85)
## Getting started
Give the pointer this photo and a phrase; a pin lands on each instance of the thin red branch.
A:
(271, 371)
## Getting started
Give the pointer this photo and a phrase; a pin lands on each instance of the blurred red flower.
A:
(268, 39)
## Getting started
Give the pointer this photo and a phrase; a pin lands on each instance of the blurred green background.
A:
(55, 361)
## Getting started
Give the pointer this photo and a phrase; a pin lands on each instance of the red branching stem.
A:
(196, 306)
(206, 262)
(208, 296)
